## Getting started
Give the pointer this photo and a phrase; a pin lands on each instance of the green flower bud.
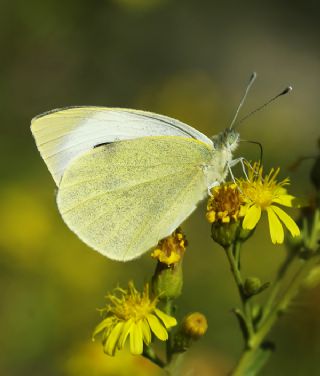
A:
(167, 281)
(252, 285)
(225, 234)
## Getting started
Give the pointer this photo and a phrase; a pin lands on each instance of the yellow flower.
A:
(262, 193)
(133, 315)
(225, 204)
(170, 250)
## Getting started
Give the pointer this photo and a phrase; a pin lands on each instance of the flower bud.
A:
(252, 286)
(195, 325)
(225, 233)
(167, 281)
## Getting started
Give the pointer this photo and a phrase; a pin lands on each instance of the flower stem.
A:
(234, 268)
(174, 367)
(168, 311)
(233, 254)
(149, 353)
(173, 359)
(314, 236)
(236, 252)
(248, 360)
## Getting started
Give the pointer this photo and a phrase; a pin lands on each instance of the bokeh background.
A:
(186, 59)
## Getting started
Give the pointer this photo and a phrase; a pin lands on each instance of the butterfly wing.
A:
(63, 134)
(122, 198)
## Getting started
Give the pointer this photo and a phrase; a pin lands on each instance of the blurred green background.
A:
(186, 59)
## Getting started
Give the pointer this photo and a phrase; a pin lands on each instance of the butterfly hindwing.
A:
(122, 198)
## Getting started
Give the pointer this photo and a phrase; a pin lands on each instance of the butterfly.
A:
(128, 178)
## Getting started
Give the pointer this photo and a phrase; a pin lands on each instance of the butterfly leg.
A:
(230, 171)
(240, 160)
(235, 162)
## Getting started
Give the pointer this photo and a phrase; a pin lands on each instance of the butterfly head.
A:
(228, 139)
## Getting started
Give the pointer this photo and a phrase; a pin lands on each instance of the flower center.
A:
(133, 307)
(258, 193)
(225, 203)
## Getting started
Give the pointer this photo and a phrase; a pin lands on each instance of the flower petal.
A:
(136, 339)
(124, 334)
(287, 220)
(285, 200)
(168, 321)
(157, 327)
(111, 343)
(146, 332)
(104, 324)
(252, 217)
(275, 226)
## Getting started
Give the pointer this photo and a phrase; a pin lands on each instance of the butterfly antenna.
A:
(284, 92)
(251, 81)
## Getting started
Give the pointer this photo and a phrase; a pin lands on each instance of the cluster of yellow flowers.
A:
(247, 198)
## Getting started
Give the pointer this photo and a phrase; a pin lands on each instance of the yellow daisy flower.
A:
(170, 250)
(132, 315)
(265, 193)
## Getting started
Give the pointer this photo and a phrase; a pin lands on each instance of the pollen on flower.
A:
(225, 204)
(134, 316)
(170, 250)
(262, 193)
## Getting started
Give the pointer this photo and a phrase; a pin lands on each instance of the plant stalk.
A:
(249, 356)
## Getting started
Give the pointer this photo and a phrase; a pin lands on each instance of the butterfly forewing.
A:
(64, 134)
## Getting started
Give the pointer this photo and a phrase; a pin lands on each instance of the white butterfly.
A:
(128, 178)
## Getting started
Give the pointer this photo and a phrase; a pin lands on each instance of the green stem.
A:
(234, 268)
(236, 252)
(174, 367)
(168, 311)
(314, 236)
(248, 358)
(149, 353)
(174, 360)
(233, 254)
